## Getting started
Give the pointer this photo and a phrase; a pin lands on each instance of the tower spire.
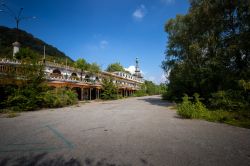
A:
(137, 69)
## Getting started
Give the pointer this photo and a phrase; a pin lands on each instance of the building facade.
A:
(87, 85)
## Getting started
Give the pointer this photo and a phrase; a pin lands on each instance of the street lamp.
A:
(17, 18)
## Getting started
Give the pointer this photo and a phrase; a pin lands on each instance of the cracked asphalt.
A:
(133, 131)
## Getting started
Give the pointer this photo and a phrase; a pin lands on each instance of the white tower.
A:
(137, 69)
(16, 47)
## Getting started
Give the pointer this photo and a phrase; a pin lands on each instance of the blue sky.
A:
(102, 31)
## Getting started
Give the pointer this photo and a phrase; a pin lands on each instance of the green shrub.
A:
(218, 116)
(140, 93)
(71, 97)
(236, 118)
(109, 96)
(23, 99)
(197, 109)
(190, 110)
(28, 99)
(186, 108)
(119, 96)
(110, 90)
(12, 114)
(165, 96)
(58, 98)
(228, 100)
(50, 99)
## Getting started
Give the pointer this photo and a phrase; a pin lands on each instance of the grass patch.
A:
(236, 118)
(173, 107)
(84, 102)
(196, 110)
(12, 115)
(4, 111)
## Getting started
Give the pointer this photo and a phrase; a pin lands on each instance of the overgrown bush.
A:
(236, 118)
(140, 93)
(58, 98)
(28, 99)
(23, 99)
(185, 109)
(110, 91)
(166, 96)
(193, 108)
(189, 109)
(5, 90)
(228, 100)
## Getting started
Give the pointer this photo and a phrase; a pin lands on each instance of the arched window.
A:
(74, 74)
(87, 78)
(56, 71)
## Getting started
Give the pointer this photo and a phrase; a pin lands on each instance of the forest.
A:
(208, 55)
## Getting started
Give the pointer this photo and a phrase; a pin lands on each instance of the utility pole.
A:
(44, 53)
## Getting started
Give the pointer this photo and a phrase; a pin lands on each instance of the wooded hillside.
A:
(27, 40)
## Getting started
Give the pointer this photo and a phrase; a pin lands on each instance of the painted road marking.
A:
(25, 146)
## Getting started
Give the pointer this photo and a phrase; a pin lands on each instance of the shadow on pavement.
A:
(157, 101)
(42, 160)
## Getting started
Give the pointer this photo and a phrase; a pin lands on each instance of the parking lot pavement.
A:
(133, 131)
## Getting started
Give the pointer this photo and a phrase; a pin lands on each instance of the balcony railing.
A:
(53, 64)
(4, 68)
(59, 77)
(9, 61)
(87, 81)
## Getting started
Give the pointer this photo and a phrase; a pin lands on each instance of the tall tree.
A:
(115, 67)
(110, 90)
(82, 65)
(94, 68)
(208, 48)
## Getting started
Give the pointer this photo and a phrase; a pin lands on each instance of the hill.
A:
(9, 35)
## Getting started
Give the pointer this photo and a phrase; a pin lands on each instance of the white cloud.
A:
(140, 12)
(131, 69)
(97, 45)
(104, 44)
(167, 1)
(157, 79)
